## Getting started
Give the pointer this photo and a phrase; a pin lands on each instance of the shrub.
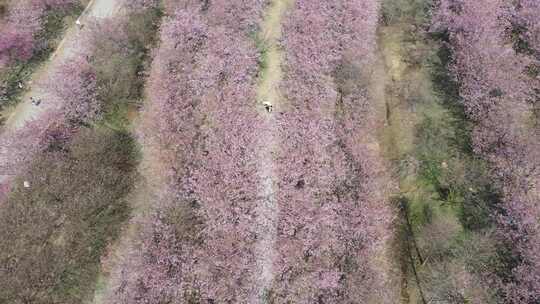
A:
(3, 8)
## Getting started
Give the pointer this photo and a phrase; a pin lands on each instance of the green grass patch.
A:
(448, 196)
(411, 11)
(262, 47)
(119, 116)
(120, 63)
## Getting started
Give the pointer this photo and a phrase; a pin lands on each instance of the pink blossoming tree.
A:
(499, 95)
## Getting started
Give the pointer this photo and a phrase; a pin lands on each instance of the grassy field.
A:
(55, 231)
(444, 195)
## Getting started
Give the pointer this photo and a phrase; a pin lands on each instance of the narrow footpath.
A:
(269, 102)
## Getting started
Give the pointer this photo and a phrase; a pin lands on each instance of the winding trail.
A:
(268, 92)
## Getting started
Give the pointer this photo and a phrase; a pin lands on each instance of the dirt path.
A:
(397, 138)
(268, 92)
(389, 262)
(68, 47)
(415, 115)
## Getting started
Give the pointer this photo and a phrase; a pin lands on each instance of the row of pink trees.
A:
(499, 94)
(19, 30)
(334, 218)
(197, 247)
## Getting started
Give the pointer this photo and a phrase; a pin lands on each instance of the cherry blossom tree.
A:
(19, 30)
(74, 87)
(201, 116)
(499, 96)
(334, 215)
(525, 14)
(198, 246)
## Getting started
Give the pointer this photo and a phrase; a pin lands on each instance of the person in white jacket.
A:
(268, 106)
